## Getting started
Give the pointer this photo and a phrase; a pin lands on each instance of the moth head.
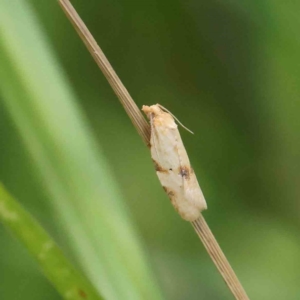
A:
(162, 116)
(152, 110)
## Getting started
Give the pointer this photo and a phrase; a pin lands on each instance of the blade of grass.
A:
(87, 202)
(66, 279)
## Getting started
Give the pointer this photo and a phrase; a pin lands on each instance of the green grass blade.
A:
(78, 179)
(65, 278)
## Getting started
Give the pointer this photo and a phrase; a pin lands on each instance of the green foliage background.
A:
(229, 70)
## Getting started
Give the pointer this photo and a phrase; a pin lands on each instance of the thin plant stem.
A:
(215, 252)
(126, 100)
(143, 128)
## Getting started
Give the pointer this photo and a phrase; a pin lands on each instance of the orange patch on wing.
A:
(169, 192)
(158, 167)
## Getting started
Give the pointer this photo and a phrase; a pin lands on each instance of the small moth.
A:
(172, 164)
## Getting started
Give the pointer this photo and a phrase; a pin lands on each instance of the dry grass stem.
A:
(219, 259)
(143, 129)
(129, 105)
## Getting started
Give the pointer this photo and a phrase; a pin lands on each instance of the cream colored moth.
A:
(172, 164)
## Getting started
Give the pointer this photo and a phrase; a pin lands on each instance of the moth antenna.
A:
(163, 108)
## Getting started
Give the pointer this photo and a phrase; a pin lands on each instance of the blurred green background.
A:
(229, 70)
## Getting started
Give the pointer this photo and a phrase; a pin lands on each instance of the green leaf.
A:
(81, 188)
(66, 279)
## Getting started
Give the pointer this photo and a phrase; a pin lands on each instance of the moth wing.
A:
(193, 192)
(163, 143)
(191, 188)
(174, 171)
(167, 162)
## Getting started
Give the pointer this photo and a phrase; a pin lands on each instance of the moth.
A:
(172, 164)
